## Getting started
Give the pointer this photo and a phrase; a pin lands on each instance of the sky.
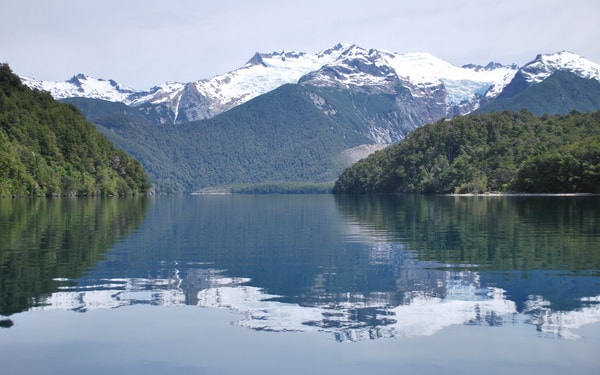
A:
(143, 43)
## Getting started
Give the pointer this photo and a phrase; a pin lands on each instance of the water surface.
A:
(290, 284)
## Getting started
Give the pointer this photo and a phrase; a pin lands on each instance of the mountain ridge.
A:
(559, 93)
(463, 88)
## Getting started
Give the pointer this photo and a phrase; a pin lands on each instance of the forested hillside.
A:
(502, 152)
(279, 141)
(49, 149)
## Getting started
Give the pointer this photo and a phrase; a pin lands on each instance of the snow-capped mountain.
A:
(174, 102)
(421, 73)
(545, 65)
(82, 85)
(420, 80)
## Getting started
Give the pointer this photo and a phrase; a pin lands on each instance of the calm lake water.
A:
(286, 284)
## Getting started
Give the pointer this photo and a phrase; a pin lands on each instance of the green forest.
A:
(48, 148)
(495, 152)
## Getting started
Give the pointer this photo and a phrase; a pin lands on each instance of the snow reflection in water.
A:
(348, 316)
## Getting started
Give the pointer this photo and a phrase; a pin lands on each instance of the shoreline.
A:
(524, 195)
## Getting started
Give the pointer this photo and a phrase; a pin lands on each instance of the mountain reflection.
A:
(459, 298)
(45, 240)
(357, 268)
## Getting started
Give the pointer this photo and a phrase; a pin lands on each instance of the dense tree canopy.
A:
(48, 149)
(503, 152)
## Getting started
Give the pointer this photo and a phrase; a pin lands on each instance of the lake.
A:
(297, 284)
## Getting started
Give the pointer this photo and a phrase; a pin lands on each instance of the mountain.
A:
(544, 66)
(554, 84)
(81, 85)
(437, 88)
(48, 149)
(420, 87)
(560, 93)
(176, 102)
(453, 90)
(422, 73)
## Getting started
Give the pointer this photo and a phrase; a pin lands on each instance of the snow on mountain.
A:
(263, 73)
(420, 72)
(208, 97)
(461, 83)
(545, 65)
(82, 85)
(156, 95)
(459, 89)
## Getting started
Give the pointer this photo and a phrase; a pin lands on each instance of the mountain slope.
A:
(295, 133)
(560, 93)
(48, 148)
(278, 137)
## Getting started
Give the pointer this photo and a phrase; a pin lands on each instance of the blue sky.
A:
(141, 43)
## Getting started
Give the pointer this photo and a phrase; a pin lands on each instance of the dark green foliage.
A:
(500, 152)
(48, 148)
(93, 109)
(574, 168)
(560, 93)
